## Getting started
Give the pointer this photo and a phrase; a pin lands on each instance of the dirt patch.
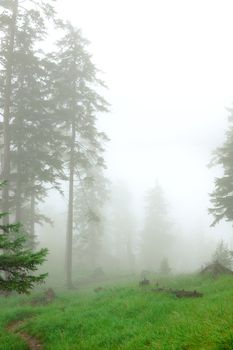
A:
(32, 342)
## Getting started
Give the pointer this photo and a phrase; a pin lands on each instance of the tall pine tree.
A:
(156, 234)
(32, 158)
(121, 228)
(75, 91)
(91, 195)
(222, 195)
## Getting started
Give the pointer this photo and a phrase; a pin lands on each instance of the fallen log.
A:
(188, 294)
(160, 290)
(179, 293)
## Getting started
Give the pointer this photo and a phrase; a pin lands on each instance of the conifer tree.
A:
(91, 195)
(17, 263)
(121, 227)
(165, 267)
(156, 234)
(75, 80)
(33, 160)
(37, 164)
(8, 29)
(222, 195)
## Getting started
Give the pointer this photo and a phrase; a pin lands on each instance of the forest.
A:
(116, 175)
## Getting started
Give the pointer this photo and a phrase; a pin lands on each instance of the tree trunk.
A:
(69, 234)
(6, 112)
(32, 216)
(18, 198)
(130, 255)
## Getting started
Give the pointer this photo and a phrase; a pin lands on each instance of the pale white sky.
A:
(169, 68)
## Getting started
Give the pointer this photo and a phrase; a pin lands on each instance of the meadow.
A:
(124, 316)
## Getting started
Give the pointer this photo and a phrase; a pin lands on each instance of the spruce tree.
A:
(156, 234)
(121, 227)
(8, 26)
(36, 160)
(33, 155)
(164, 267)
(91, 195)
(17, 263)
(75, 83)
(222, 195)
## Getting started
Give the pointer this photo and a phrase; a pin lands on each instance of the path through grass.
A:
(126, 317)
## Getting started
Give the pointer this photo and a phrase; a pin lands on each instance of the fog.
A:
(168, 68)
(169, 75)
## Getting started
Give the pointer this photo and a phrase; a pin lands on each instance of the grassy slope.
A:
(126, 317)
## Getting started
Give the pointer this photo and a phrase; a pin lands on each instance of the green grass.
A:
(126, 317)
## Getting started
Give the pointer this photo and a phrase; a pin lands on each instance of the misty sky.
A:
(169, 68)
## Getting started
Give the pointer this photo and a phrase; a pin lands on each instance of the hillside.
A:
(124, 316)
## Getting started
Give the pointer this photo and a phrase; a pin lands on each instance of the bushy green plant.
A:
(17, 263)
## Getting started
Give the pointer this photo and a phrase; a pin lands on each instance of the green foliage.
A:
(91, 195)
(35, 153)
(49, 103)
(222, 196)
(17, 264)
(75, 82)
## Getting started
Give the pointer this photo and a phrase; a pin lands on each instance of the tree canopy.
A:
(222, 195)
(17, 263)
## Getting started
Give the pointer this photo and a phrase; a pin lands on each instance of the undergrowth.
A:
(124, 316)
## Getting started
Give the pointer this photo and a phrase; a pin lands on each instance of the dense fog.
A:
(128, 184)
(169, 76)
(116, 174)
